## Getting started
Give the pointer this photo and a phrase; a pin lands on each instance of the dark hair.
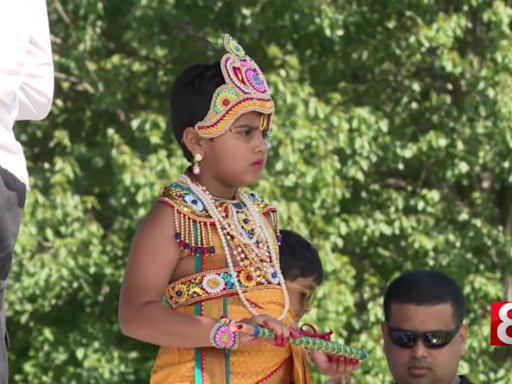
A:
(191, 96)
(299, 258)
(424, 287)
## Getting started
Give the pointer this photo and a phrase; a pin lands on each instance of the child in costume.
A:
(212, 249)
(303, 272)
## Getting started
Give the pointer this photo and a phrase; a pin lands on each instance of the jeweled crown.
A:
(245, 90)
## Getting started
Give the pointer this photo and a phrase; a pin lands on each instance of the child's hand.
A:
(333, 366)
(281, 330)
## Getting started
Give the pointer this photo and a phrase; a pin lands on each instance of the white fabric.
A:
(26, 75)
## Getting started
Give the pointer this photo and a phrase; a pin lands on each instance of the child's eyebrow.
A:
(247, 126)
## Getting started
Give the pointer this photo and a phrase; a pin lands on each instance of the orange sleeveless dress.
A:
(210, 292)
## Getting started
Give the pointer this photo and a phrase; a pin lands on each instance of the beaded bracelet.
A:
(222, 337)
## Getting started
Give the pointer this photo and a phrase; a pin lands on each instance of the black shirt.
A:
(463, 380)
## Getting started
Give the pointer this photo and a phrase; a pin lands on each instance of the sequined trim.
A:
(217, 283)
(182, 198)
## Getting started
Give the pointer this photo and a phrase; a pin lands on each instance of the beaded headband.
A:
(245, 90)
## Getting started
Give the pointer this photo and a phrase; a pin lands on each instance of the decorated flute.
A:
(305, 341)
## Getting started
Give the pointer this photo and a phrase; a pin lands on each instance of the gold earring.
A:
(196, 169)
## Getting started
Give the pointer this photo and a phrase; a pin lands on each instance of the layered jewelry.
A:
(261, 240)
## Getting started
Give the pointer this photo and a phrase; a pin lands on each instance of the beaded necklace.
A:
(260, 242)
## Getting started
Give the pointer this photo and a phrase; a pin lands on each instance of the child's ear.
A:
(193, 141)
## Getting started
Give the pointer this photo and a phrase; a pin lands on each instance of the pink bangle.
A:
(222, 337)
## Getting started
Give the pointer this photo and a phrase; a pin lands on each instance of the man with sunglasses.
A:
(424, 334)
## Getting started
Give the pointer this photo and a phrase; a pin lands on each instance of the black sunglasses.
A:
(432, 339)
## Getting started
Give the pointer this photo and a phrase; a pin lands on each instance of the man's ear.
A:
(463, 335)
(384, 330)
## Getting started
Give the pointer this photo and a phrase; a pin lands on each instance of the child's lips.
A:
(258, 163)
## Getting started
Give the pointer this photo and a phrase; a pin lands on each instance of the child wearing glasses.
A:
(303, 272)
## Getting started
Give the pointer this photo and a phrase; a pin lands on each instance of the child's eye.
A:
(246, 132)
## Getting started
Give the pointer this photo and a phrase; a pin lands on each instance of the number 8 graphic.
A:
(506, 323)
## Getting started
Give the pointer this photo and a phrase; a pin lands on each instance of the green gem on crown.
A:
(232, 46)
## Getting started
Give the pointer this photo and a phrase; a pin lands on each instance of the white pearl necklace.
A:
(259, 226)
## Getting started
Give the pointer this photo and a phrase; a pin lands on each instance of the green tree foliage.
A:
(392, 151)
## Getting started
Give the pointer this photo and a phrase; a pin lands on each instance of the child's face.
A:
(302, 293)
(238, 157)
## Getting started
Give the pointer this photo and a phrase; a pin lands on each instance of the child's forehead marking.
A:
(263, 122)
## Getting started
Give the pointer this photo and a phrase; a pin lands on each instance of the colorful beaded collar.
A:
(194, 224)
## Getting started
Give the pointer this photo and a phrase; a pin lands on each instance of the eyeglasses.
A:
(309, 295)
(432, 339)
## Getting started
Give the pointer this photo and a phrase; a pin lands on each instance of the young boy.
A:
(303, 272)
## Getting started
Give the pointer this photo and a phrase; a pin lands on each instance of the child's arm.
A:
(153, 257)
